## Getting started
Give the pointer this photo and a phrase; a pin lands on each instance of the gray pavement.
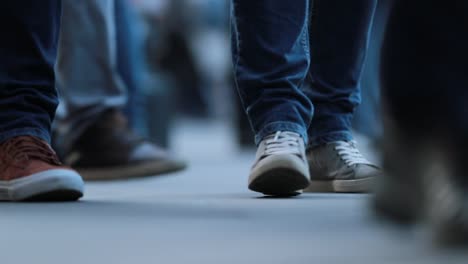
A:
(205, 215)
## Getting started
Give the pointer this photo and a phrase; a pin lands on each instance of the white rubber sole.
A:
(50, 185)
(364, 185)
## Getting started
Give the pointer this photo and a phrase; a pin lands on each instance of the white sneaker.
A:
(280, 166)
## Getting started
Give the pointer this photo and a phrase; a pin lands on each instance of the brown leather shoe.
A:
(109, 150)
(30, 170)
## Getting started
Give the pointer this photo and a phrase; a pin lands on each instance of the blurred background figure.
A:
(93, 133)
(188, 44)
(425, 87)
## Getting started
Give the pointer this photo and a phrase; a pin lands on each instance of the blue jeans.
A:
(130, 58)
(276, 47)
(339, 34)
(271, 58)
(28, 47)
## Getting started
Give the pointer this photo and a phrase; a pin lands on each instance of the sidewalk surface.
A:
(205, 215)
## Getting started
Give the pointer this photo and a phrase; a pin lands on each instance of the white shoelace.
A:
(350, 154)
(283, 143)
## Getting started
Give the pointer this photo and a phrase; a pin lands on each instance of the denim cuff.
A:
(281, 126)
(35, 132)
(344, 135)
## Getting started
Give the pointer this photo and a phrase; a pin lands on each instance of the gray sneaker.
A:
(280, 166)
(340, 167)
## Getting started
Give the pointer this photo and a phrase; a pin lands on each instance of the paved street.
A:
(205, 215)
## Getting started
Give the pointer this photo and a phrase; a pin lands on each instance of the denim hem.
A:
(330, 137)
(281, 126)
(35, 132)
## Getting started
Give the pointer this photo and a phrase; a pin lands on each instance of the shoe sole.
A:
(342, 186)
(279, 182)
(50, 185)
(147, 169)
(64, 195)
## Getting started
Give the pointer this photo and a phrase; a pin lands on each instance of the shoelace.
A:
(350, 154)
(283, 143)
(19, 151)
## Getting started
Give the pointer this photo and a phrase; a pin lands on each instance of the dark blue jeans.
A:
(28, 46)
(339, 34)
(273, 57)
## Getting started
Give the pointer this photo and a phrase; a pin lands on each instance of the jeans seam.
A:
(236, 36)
(305, 31)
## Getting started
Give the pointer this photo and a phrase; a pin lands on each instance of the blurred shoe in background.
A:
(109, 150)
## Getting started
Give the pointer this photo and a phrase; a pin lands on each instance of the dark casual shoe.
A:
(280, 167)
(421, 186)
(340, 167)
(108, 150)
(445, 204)
(398, 193)
(424, 181)
(30, 170)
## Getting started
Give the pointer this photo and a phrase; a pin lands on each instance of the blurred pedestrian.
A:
(95, 136)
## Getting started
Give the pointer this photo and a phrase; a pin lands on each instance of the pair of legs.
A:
(297, 66)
